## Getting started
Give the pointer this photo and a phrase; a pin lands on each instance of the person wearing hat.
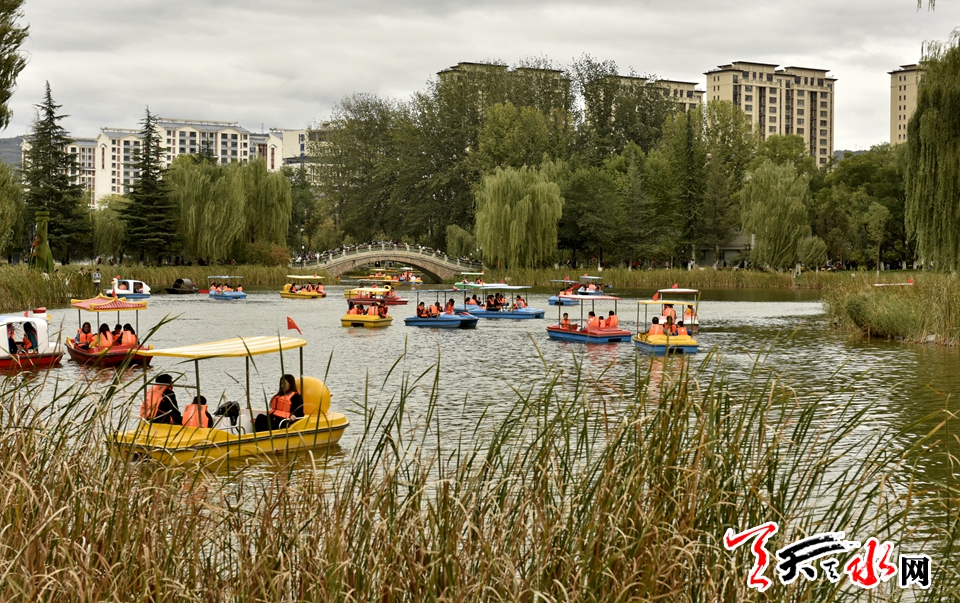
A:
(160, 403)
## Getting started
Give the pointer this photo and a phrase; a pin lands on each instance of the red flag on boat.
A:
(910, 280)
(675, 285)
(656, 296)
(293, 325)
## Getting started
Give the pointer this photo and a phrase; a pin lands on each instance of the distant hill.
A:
(10, 150)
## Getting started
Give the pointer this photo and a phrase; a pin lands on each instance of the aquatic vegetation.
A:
(587, 489)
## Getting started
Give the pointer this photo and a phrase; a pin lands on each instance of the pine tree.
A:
(150, 214)
(49, 181)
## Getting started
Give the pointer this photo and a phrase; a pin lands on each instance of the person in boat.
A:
(670, 327)
(285, 407)
(471, 301)
(565, 322)
(121, 286)
(103, 339)
(613, 321)
(160, 403)
(680, 329)
(195, 414)
(12, 345)
(689, 314)
(421, 310)
(491, 305)
(138, 288)
(593, 322)
(448, 308)
(655, 327)
(84, 336)
(669, 312)
(128, 337)
(521, 303)
(372, 310)
(117, 333)
(434, 310)
(382, 310)
(239, 288)
(30, 343)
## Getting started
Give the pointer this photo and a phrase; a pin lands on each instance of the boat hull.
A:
(29, 362)
(525, 313)
(556, 301)
(229, 295)
(177, 445)
(590, 336)
(127, 294)
(444, 321)
(115, 356)
(304, 295)
(659, 345)
(366, 322)
(390, 301)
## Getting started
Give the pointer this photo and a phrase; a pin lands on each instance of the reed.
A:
(22, 288)
(589, 489)
(919, 313)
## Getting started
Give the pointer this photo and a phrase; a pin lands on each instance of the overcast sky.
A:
(285, 63)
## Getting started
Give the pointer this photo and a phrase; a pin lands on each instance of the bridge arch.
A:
(435, 265)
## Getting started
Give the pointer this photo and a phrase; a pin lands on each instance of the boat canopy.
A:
(591, 297)
(562, 280)
(472, 273)
(301, 277)
(230, 348)
(384, 289)
(102, 303)
(591, 278)
(680, 291)
(664, 302)
(222, 277)
(493, 286)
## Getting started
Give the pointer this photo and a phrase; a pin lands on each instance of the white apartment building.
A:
(903, 100)
(83, 151)
(781, 101)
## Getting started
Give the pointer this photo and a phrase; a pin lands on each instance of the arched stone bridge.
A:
(435, 265)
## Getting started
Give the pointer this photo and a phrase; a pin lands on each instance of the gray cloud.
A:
(287, 62)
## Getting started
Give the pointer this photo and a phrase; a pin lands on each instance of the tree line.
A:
(540, 163)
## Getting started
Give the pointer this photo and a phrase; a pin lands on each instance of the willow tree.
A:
(211, 206)
(109, 228)
(268, 204)
(773, 209)
(517, 215)
(460, 242)
(12, 208)
(933, 158)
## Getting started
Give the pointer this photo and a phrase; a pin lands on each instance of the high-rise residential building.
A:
(903, 100)
(83, 151)
(685, 94)
(781, 100)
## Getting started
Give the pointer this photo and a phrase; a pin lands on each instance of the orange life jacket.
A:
(670, 312)
(433, 311)
(448, 309)
(151, 403)
(193, 418)
(593, 323)
(655, 330)
(565, 323)
(281, 405)
(372, 310)
(521, 303)
(128, 338)
(681, 331)
(84, 337)
(613, 322)
(102, 340)
(382, 311)
(27, 344)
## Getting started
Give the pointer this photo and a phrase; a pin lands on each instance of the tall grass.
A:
(587, 489)
(159, 277)
(921, 313)
(22, 288)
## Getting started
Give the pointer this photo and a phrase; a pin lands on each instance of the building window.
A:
(823, 160)
(233, 136)
(823, 151)
(823, 124)
(823, 141)
(823, 104)
(823, 133)
(773, 109)
(799, 111)
(800, 93)
(748, 98)
(769, 77)
(773, 100)
(748, 107)
(823, 114)
(773, 129)
(800, 131)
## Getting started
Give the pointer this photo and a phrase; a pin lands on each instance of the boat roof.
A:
(591, 278)
(238, 347)
(562, 280)
(303, 277)
(102, 303)
(663, 302)
(376, 279)
(591, 297)
(472, 273)
(492, 286)
(680, 291)
(224, 276)
(439, 290)
(370, 290)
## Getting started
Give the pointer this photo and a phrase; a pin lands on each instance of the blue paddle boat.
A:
(440, 319)
(225, 291)
(515, 310)
(596, 329)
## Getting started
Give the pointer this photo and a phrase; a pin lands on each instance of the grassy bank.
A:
(921, 313)
(22, 288)
(563, 499)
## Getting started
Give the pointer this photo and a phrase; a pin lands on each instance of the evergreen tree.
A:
(49, 180)
(150, 214)
(12, 61)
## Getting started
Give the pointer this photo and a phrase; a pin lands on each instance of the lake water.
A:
(480, 370)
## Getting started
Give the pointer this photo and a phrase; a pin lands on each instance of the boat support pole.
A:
(301, 370)
(247, 359)
(196, 369)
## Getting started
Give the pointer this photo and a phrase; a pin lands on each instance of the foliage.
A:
(773, 209)
(517, 215)
(594, 211)
(514, 136)
(933, 158)
(210, 201)
(267, 203)
(263, 253)
(12, 208)
(150, 215)
(460, 242)
(306, 213)
(48, 184)
(812, 252)
(12, 60)
(109, 228)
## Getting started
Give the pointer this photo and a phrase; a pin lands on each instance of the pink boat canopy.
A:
(101, 303)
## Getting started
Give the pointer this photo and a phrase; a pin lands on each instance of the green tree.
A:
(875, 222)
(150, 215)
(49, 183)
(12, 208)
(517, 215)
(12, 61)
(594, 212)
(686, 151)
(460, 242)
(210, 204)
(268, 203)
(109, 228)
(812, 252)
(306, 213)
(773, 209)
(933, 158)
(513, 137)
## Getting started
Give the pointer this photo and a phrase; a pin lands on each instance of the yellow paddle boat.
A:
(366, 321)
(658, 340)
(306, 290)
(231, 436)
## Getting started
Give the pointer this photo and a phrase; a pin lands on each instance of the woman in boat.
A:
(103, 339)
(285, 408)
(670, 328)
(669, 312)
(195, 414)
(434, 310)
(117, 333)
(593, 322)
(372, 310)
(448, 309)
(421, 310)
(128, 337)
(565, 322)
(160, 403)
(382, 310)
(30, 344)
(84, 336)
(12, 345)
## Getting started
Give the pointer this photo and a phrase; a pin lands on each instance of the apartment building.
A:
(903, 100)
(781, 100)
(685, 94)
(84, 152)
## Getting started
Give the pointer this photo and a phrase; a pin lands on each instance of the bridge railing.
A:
(328, 257)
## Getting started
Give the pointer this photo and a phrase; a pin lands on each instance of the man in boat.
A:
(160, 403)
(117, 333)
(681, 330)
(565, 322)
(521, 303)
(613, 322)
(285, 407)
(655, 327)
(421, 310)
(84, 336)
(689, 314)
(382, 310)
(195, 414)
(434, 310)
(372, 310)
(670, 328)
